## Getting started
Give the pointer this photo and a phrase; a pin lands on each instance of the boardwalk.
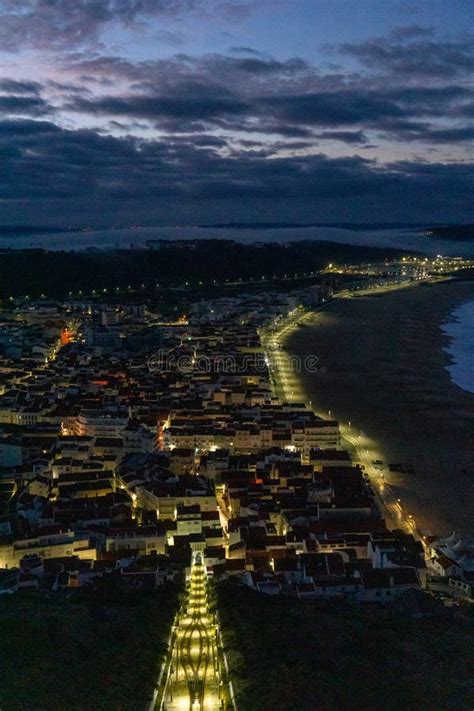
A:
(196, 677)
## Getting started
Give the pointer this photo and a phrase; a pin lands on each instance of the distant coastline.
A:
(457, 233)
(356, 226)
(401, 236)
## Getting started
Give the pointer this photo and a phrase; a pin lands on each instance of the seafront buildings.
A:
(131, 445)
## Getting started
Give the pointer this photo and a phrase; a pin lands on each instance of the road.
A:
(195, 678)
(367, 453)
(287, 386)
(120, 290)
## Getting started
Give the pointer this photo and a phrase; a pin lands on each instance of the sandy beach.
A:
(382, 368)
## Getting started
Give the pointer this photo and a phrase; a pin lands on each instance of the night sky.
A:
(182, 111)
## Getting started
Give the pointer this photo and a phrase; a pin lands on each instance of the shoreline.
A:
(460, 332)
(383, 370)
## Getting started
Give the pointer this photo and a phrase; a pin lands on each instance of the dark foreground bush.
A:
(83, 652)
(286, 655)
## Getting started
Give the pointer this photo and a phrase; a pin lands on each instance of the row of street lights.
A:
(407, 519)
(187, 284)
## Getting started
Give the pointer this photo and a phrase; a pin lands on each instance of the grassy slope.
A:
(290, 656)
(73, 654)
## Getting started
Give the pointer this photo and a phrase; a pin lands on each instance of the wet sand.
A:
(384, 370)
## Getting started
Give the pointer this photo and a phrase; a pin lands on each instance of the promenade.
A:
(195, 677)
(365, 450)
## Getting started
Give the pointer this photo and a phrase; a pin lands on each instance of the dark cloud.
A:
(186, 94)
(415, 59)
(283, 130)
(436, 180)
(242, 127)
(391, 110)
(14, 105)
(246, 50)
(463, 134)
(207, 141)
(41, 162)
(66, 88)
(19, 129)
(46, 23)
(258, 66)
(52, 24)
(351, 137)
(333, 108)
(467, 110)
(13, 86)
(409, 32)
(425, 99)
(243, 75)
(153, 107)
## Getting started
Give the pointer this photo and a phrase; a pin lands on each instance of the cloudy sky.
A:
(178, 111)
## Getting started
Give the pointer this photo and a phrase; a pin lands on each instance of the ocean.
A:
(460, 329)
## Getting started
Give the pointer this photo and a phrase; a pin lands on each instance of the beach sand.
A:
(383, 369)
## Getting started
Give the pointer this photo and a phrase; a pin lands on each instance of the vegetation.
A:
(83, 651)
(287, 654)
(34, 272)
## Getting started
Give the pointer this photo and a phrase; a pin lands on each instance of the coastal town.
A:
(145, 447)
(236, 355)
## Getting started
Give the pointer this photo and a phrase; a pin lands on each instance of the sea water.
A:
(460, 328)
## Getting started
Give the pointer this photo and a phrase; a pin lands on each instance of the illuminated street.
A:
(196, 675)
(287, 385)
(367, 452)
